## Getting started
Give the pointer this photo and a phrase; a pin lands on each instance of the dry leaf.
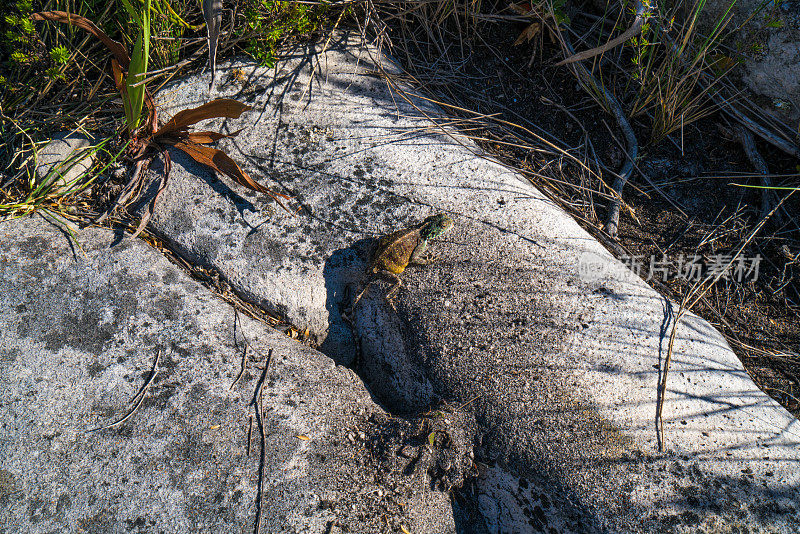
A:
(205, 138)
(521, 8)
(221, 107)
(152, 118)
(221, 162)
(528, 33)
(118, 79)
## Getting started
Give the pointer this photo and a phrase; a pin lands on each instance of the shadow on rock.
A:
(343, 273)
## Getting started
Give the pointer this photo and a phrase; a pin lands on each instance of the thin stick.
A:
(244, 352)
(249, 434)
(241, 369)
(473, 399)
(140, 395)
(662, 387)
(258, 401)
(590, 82)
(768, 197)
(633, 31)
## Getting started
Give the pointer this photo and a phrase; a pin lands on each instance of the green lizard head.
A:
(434, 226)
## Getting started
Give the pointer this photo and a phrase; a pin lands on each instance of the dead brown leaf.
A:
(116, 70)
(528, 33)
(221, 107)
(219, 161)
(205, 138)
(521, 8)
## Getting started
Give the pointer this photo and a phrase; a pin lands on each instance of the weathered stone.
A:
(560, 369)
(80, 326)
(562, 373)
(768, 36)
(60, 161)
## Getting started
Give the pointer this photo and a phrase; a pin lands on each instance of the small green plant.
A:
(20, 58)
(269, 22)
(757, 48)
(15, 42)
(774, 23)
(59, 55)
(642, 44)
(48, 193)
(559, 10)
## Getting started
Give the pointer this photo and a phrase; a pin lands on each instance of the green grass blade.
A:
(138, 68)
(133, 13)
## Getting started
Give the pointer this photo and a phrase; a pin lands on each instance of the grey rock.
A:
(80, 326)
(562, 374)
(296, 264)
(525, 320)
(64, 159)
(768, 36)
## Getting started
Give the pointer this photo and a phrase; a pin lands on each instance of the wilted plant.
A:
(147, 139)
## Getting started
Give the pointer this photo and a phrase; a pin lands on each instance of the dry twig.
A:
(237, 321)
(258, 402)
(598, 90)
(140, 396)
(636, 28)
(768, 197)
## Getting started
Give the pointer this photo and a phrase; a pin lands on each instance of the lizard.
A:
(399, 249)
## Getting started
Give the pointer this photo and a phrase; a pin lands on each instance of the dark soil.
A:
(695, 212)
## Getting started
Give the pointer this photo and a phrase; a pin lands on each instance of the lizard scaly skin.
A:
(397, 250)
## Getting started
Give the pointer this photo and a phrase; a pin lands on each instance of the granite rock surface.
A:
(81, 324)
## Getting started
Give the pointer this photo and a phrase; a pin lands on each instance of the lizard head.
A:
(434, 226)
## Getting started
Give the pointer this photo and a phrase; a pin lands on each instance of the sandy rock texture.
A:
(768, 37)
(81, 323)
